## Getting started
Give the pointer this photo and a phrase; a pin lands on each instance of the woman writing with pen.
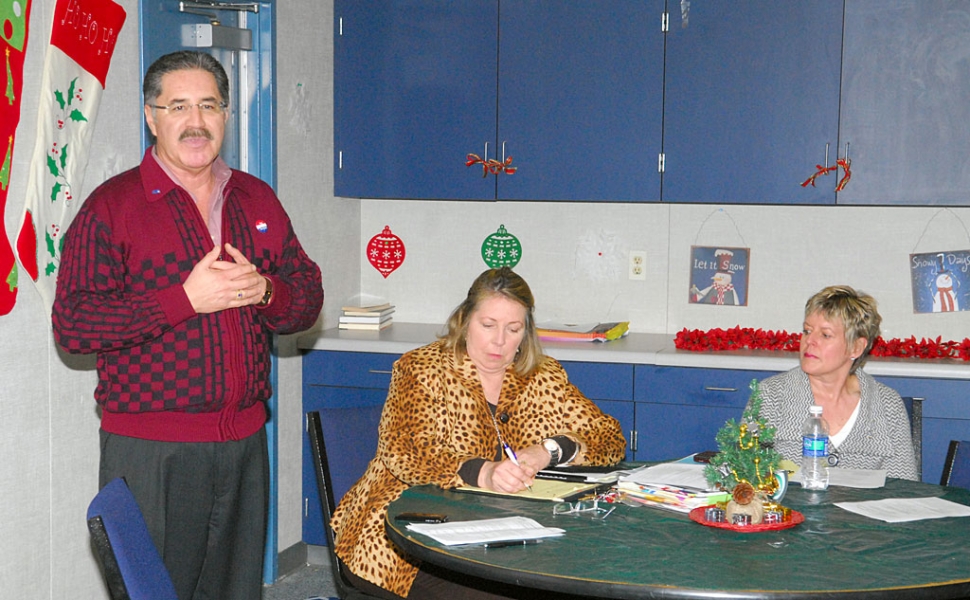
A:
(481, 406)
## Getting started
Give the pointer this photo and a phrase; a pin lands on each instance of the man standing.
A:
(176, 273)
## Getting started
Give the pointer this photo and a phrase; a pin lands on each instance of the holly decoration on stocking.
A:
(501, 249)
(385, 251)
(746, 455)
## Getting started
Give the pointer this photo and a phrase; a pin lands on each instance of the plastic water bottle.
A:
(815, 451)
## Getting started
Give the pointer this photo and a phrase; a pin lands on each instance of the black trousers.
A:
(205, 505)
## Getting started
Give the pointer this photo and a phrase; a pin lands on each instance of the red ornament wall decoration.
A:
(385, 251)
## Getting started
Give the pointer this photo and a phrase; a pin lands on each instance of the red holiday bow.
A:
(491, 165)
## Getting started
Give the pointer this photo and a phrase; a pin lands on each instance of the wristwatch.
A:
(268, 295)
(554, 450)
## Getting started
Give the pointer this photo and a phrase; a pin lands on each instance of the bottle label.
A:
(815, 447)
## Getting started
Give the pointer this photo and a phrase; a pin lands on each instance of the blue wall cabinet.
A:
(904, 102)
(414, 94)
(751, 101)
(570, 90)
(580, 94)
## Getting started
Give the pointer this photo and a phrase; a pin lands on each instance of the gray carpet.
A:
(307, 583)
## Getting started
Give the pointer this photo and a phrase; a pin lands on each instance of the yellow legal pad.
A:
(545, 489)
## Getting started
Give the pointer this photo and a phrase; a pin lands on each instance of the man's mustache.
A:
(195, 132)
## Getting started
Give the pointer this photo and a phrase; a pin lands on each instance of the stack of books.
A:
(671, 486)
(588, 332)
(367, 318)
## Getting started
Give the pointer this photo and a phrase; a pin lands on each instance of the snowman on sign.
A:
(722, 290)
(944, 300)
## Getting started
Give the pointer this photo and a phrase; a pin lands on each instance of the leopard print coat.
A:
(436, 418)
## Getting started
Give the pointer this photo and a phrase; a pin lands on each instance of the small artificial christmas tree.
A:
(745, 451)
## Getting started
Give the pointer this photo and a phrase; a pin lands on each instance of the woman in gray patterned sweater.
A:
(868, 424)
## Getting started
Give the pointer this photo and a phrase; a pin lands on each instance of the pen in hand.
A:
(512, 457)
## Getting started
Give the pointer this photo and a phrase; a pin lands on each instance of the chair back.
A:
(321, 465)
(956, 468)
(133, 569)
(914, 407)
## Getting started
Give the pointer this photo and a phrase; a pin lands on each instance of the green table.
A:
(643, 552)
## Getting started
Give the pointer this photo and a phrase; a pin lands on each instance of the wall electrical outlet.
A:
(638, 265)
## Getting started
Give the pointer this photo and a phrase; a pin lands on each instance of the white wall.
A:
(48, 421)
(575, 259)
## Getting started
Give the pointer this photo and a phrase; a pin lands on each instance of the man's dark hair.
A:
(180, 61)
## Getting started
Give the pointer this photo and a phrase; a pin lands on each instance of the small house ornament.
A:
(385, 251)
(501, 249)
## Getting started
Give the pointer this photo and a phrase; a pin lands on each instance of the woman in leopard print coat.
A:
(450, 406)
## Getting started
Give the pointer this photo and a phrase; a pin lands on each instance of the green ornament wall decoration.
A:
(501, 249)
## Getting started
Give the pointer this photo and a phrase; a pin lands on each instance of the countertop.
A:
(636, 348)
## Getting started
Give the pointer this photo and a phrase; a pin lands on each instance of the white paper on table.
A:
(899, 510)
(485, 530)
(853, 478)
(683, 475)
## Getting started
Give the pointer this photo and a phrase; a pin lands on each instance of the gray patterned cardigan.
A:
(880, 438)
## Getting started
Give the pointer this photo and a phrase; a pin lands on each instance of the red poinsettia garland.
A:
(747, 338)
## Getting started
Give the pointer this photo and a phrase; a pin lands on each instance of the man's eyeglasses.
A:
(206, 108)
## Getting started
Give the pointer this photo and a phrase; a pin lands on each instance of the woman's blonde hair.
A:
(856, 310)
(497, 282)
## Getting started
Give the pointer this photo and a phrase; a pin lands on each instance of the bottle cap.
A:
(815, 410)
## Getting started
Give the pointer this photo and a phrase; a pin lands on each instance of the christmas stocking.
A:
(83, 38)
(14, 16)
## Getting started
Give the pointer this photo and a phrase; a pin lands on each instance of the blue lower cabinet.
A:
(349, 390)
(945, 416)
(679, 410)
(610, 386)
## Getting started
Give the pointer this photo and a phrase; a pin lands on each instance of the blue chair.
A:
(133, 569)
(321, 464)
(956, 468)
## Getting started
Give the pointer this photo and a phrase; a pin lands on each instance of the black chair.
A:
(322, 467)
(956, 468)
(133, 569)
(914, 406)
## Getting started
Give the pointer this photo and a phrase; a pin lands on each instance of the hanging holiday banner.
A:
(501, 249)
(14, 18)
(385, 251)
(83, 40)
(941, 281)
(719, 275)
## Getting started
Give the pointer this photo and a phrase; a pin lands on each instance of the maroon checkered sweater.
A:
(164, 372)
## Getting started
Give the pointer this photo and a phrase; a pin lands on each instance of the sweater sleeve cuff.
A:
(570, 448)
(470, 469)
(175, 304)
(280, 302)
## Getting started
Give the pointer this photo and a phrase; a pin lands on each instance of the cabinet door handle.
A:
(710, 388)
(633, 440)
(379, 372)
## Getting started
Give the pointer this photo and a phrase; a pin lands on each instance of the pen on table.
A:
(508, 543)
(513, 458)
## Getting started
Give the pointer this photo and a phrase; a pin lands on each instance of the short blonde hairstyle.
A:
(497, 282)
(855, 310)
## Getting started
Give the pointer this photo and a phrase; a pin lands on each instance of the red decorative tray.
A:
(697, 515)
